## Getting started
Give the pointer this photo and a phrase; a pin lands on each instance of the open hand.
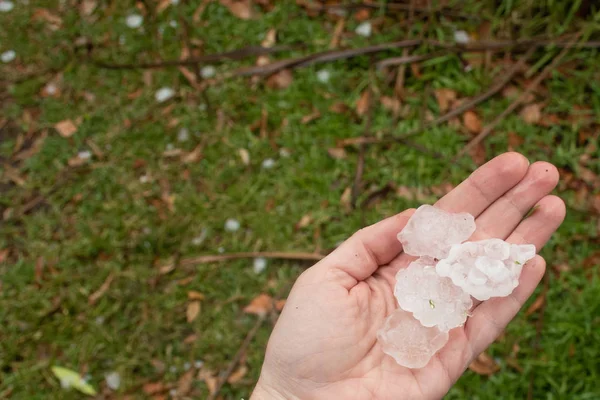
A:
(324, 345)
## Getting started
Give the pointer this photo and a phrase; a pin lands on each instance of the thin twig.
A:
(487, 130)
(236, 359)
(207, 59)
(252, 254)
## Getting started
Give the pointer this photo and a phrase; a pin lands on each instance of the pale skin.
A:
(324, 344)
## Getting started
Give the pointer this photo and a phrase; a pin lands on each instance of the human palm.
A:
(324, 345)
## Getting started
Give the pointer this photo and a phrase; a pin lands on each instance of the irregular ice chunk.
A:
(433, 300)
(487, 268)
(411, 344)
(431, 231)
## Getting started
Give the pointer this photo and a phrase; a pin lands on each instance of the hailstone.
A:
(433, 300)
(486, 268)
(431, 231)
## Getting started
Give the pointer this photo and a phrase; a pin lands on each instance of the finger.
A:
(367, 249)
(486, 184)
(502, 217)
(491, 317)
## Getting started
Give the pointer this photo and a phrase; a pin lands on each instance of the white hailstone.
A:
(51, 89)
(431, 231)
(164, 94)
(169, 147)
(198, 240)
(202, 107)
(174, 2)
(268, 163)
(208, 71)
(364, 29)
(232, 225)
(173, 368)
(173, 393)
(187, 366)
(8, 56)
(183, 135)
(84, 155)
(113, 380)
(144, 179)
(461, 37)
(100, 320)
(134, 21)
(433, 300)
(284, 153)
(411, 344)
(6, 6)
(221, 250)
(198, 364)
(487, 268)
(323, 76)
(259, 265)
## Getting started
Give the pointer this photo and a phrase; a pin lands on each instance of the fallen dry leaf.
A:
(514, 141)
(337, 33)
(390, 104)
(260, 305)
(362, 15)
(3, 255)
(54, 22)
(537, 304)
(87, 7)
(244, 155)
(345, 199)
(281, 79)
(532, 113)
(162, 6)
(362, 105)
(209, 379)
(339, 153)
(472, 122)
(311, 117)
(192, 311)
(484, 365)
(193, 156)
(478, 153)
(241, 9)
(270, 38)
(279, 304)
(194, 295)
(94, 297)
(304, 221)
(151, 388)
(190, 339)
(445, 98)
(184, 384)
(66, 128)
(339, 108)
(238, 374)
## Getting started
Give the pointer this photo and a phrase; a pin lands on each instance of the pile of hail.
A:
(435, 291)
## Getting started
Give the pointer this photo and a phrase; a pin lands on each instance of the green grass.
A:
(100, 219)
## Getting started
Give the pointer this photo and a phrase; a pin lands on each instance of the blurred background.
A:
(168, 168)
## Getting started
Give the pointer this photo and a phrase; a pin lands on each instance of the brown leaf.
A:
(484, 365)
(162, 5)
(87, 7)
(94, 297)
(66, 128)
(390, 104)
(190, 339)
(4, 255)
(339, 153)
(339, 108)
(189, 76)
(151, 388)
(54, 21)
(445, 98)
(193, 156)
(345, 199)
(279, 304)
(337, 33)
(472, 122)
(310, 117)
(304, 222)
(245, 156)
(362, 15)
(270, 38)
(532, 113)
(514, 141)
(260, 305)
(194, 295)
(210, 380)
(537, 304)
(281, 79)
(238, 374)
(362, 105)
(184, 384)
(192, 311)
(478, 153)
(241, 9)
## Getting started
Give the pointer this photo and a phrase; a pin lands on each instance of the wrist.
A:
(264, 391)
